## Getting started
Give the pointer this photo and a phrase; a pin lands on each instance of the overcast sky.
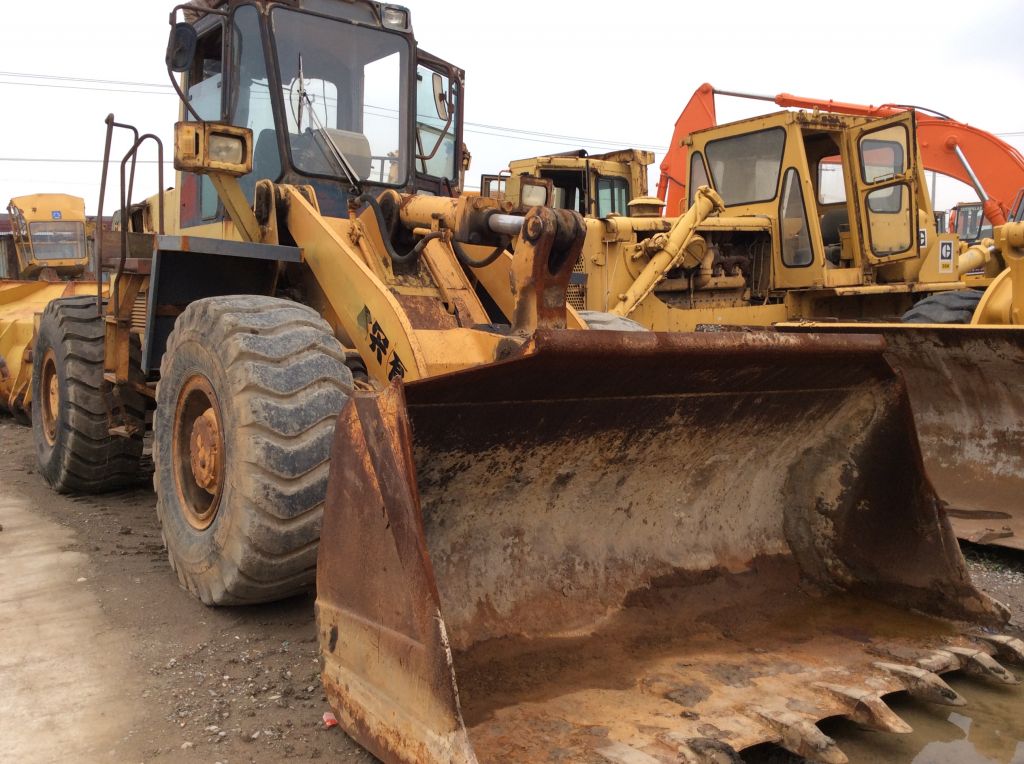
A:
(617, 73)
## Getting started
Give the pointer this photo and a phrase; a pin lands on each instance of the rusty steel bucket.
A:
(639, 548)
(966, 387)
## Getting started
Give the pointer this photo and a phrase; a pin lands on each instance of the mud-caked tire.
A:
(72, 404)
(953, 307)
(250, 388)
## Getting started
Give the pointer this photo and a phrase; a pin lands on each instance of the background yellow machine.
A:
(532, 541)
(811, 219)
(46, 257)
(49, 237)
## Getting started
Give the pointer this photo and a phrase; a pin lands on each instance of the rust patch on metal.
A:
(617, 542)
(967, 397)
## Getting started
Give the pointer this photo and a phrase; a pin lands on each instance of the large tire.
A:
(609, 322)
(274, 377)
(954, 307)
(71, 403)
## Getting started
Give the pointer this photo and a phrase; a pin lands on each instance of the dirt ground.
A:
(110, 660)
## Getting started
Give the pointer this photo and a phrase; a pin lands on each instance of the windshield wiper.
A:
(339, 155)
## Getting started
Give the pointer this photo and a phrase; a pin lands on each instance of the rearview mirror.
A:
(181, 47)
(440, 100)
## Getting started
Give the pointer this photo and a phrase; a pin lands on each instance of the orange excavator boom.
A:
(994, 168)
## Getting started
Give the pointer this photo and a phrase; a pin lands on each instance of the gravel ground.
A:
(1000, 573)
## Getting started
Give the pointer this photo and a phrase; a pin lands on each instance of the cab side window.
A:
(204, 89)
(612, 196)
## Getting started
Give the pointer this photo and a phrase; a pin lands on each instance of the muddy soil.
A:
(109, 660)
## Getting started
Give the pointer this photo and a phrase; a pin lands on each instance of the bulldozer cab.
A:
(595, 185)
(48, 231)
(337, 95)
(844, 192)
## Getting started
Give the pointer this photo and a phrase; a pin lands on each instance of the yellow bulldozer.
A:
(821, 221)
(533, 540)
(595, 185)
(45, 257)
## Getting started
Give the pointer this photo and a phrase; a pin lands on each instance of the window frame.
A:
(909, 213)
(617, 180)
(779, 174)
(803, 204)
(39, 227)
(691, 187)
(454, 129)
(865, 137)
(407, 96)
(203, 185)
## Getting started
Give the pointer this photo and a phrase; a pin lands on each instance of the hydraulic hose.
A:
(387, 229)
(469, 262)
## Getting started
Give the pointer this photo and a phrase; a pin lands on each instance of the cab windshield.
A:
(345, 95)
(58, 241)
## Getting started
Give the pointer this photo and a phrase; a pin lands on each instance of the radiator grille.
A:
(576, 295)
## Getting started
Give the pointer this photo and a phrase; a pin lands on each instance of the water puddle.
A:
(988, 730)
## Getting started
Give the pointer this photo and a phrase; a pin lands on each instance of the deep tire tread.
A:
(86, 458)
(953, 307)
(285, 380)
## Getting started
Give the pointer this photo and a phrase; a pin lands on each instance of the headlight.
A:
(205, 147)
(227, 148)
(395, 18)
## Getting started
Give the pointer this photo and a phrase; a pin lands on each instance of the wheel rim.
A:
(198, 452)
(49, 389)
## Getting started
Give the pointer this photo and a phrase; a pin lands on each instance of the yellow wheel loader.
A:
(49, 237)
(47, 254)
(821, 222)
(532, 541)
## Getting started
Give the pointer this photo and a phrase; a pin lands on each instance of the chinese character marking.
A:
(378, 342)
(397, 368)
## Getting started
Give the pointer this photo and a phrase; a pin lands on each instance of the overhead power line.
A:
(477, 128)
(165, 89)
(28, 75)
(83, 87)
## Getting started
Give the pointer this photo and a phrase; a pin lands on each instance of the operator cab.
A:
(337, 96)
(969, 223)
(845, 192)
(594, 185)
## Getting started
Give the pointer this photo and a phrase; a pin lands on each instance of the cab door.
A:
(440, 165)
(881, 164)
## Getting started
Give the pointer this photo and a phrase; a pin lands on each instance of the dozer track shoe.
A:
(639, 547)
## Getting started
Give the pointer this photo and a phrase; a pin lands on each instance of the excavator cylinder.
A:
(637, 547)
